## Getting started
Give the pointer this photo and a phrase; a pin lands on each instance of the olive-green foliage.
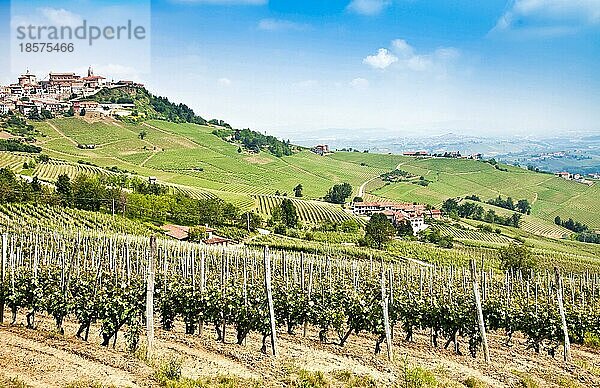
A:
(379, 231)
(517, 257)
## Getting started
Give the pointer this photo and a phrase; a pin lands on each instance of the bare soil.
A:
(45, 358)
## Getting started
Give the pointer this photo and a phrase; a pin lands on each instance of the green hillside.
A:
(190, 158)
(550, 196)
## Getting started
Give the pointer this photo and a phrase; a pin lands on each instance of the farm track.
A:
(62, 134)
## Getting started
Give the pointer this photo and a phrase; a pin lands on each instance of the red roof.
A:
(176, 231)
(216, 240)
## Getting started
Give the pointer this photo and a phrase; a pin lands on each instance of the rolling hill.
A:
(190, 158)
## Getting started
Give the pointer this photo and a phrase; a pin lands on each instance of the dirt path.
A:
(62, 134)
(361, 189)
(147, 159)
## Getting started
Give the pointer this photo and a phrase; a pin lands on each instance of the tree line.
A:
(474, 211)
(126, 196)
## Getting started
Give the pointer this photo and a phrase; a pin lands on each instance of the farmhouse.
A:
(321, 149)
(368, 208)
(398, 212)
(564, 175)
(182, 233)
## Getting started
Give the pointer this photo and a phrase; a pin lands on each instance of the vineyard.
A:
(309, 211)
(473, 235)
(51, 170)
(14, 216)
(104, 280)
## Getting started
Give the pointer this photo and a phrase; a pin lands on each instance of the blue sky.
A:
(409, 66)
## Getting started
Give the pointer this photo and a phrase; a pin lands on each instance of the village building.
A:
(63, 79)
(5, 108)
(93, 81)
(26, 107)
(89, 106)
(27, 79)
(51, 105)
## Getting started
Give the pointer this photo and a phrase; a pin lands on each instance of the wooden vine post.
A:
(3, 274)
(386, 318)
(150, 298)
(202, 281)
(563, 319)
(480, 319)
(270, 300)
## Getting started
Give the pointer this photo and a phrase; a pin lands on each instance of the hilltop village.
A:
(58, 93)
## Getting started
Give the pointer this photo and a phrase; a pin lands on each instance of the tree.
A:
(517, 257)
(339, 193)
(450, 206)
(252, 218)
(557, 220)
(524, 207)
(239, 150)
(298, 190)
(289, 216)
(43, 158)
(142, 135)
(357, 199)
(515, 219)
(404, 229)
(349, 226)
(36, 186)
(64, 189)
(379, 231)
(197, 234)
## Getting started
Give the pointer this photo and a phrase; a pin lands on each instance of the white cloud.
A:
(368, 7)
(549, 17)
(406, 57)
(403, 48)
(61, 17)
(225, 2)
(381, 60)
(281, 25)
(359, 83)
(224, 81)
